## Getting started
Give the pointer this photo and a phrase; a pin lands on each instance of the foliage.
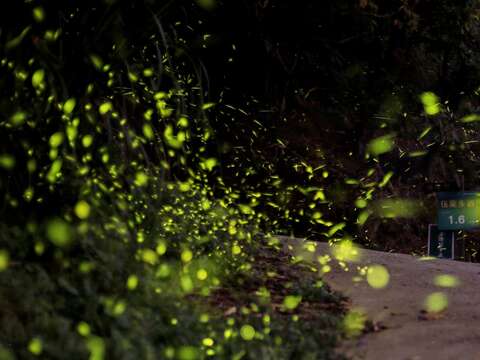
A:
(114, 209)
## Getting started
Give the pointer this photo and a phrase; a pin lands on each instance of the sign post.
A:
(441, 243)
(457, 211)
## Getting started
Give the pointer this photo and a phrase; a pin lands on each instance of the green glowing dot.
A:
(161, 248)
(188, 353)
(105, 108)
(446, 281)
(354, 322)
(35, 346)
(96, 346)
(378, 276)
(186, 256)
(87, 141)
(38, 14)
(59, 232)
(96, 61)
(149, 256)
(381, 145)
(148, 131)
(18, 118)
(4, 260)
(186, 283)
(247, 332)
(82, 209)
(141, 179)
(83, 328)
(54, 171)
(56, 139)
(7, 161)
(37, 78)
(436, 302)
(202, 274)
(291, 302)
(208, 342)
(236, 250)
(39, 248)
(360, 203)
(431, 103)
(69, 106)
(132, 282)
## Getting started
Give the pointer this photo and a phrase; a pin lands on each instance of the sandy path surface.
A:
(453, 335)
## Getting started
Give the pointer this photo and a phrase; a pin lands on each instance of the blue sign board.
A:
(441, 243)
(458, 210)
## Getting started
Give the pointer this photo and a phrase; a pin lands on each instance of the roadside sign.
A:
(458, 210)
(441, 243)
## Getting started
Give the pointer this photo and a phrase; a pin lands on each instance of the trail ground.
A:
(401, 329)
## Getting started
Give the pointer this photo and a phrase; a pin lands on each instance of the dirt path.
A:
(453, 335)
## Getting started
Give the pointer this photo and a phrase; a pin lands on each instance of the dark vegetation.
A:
(145, 145)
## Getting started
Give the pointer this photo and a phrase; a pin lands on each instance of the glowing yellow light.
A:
(82, 209)
(436, 302)
(247, 332)
(377, 276)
